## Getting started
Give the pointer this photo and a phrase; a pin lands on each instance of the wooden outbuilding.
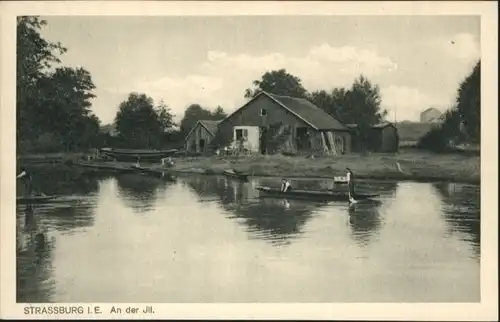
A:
(200, 137)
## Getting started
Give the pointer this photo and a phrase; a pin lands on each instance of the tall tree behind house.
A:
(195, 113)
(278, 82)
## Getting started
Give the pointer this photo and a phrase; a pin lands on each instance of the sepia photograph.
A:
(245, 158)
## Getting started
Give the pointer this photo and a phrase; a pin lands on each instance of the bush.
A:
(44, 143)
(434, 141)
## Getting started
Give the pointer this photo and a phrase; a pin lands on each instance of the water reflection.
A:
(65, 180)
(140, 193)
(250, 248)
(364, 221)
(34, 251)
(461, 211)
(278, 221)
(66, 217)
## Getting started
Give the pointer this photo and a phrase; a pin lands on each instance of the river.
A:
(130, 238)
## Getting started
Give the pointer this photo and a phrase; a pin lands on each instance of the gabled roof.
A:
(309, 112)
(303, 109)
(430, 109)
(209, 125)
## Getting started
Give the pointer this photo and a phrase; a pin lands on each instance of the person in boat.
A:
(350, 184)
(286, 185)
(26, 179)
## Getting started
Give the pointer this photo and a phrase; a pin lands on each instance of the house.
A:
(201, 135)
(383, 137)
(430, 115)
(270, 123)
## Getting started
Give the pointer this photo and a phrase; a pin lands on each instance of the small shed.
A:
(201, 135)
(383, 138)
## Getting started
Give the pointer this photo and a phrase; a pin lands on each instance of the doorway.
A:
(202, 145)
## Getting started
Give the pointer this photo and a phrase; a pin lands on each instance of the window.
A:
(263, 112)
(241, 134)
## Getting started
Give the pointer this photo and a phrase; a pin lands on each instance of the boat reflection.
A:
(364, 221)
(140, 193)
(278, 221)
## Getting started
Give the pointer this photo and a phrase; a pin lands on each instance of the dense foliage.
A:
(462, 123)
(195, 112)
(278, 82)
(141, 124)
(53, 103)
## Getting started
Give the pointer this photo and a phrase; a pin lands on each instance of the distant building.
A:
(200, 137)
(109, 129)
(431, 115)
(271, 123)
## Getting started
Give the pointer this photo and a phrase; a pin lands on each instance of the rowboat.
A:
(310, 194)
(235, 175)
(105, 167)
(133, 155)
(34, 199)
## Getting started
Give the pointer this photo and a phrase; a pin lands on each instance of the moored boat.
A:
(231, 173)
(133, 155)
(311, 194)
(34, 199)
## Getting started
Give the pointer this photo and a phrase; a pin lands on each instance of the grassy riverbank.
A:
(415, 165)
(418, 166)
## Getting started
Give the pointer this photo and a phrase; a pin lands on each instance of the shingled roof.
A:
(210, 125)
(308, 112)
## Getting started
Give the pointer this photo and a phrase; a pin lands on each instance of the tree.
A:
(195, 113)
(462, 123)
(364, 103)
(469, 104)
(141, 124)
(278, 82)
(53, 104)
(219, 113)
(333, 103)
(34, 55)
(64, 106)
(165, 117)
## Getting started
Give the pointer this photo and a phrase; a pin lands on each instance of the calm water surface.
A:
(129, 238)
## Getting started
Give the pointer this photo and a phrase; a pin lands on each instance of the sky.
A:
(417, 61)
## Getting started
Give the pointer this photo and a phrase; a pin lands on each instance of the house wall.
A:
(252, 137)
(250, 116)
(193, 140)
